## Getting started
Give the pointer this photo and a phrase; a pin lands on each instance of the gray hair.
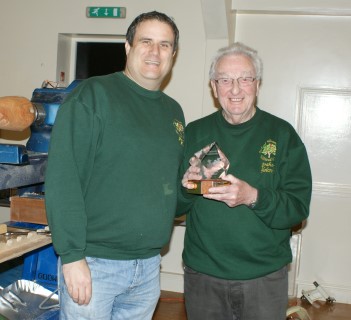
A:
(237, 49)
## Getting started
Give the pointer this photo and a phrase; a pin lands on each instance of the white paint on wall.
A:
(299, 51)
(312, 52)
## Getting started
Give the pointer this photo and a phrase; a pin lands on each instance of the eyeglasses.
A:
(242, 82)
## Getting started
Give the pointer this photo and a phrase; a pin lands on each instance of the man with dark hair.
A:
(154, 15)
(111, 181)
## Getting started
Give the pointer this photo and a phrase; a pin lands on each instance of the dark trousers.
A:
(210, 298)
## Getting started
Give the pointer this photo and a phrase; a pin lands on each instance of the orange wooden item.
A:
(30, 210)
(16, 113)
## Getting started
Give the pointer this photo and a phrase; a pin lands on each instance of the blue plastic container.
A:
(40, 266)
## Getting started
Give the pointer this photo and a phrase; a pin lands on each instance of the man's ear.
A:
(258, 87)
(214, 88)
(127, 47)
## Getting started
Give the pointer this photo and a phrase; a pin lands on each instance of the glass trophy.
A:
(213, 165)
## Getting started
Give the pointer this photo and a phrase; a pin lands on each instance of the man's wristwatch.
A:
(253, 203)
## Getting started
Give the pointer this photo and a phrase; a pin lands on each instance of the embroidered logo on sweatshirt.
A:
(268, 152)
(179, 128)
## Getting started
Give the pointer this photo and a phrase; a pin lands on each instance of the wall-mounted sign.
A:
(106, 12)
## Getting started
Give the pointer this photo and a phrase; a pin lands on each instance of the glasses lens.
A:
(242, 81)
(245, 81)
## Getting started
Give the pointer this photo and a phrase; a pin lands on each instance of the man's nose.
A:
(235, 86)
(155, 48)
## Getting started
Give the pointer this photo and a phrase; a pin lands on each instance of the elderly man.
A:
(236, 248)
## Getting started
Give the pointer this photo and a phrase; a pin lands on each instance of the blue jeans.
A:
(122, 290)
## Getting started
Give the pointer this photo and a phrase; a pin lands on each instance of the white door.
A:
(307, 81)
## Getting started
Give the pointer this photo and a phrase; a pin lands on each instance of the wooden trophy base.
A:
(202, 186)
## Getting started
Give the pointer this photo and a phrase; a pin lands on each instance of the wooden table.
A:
(18, 244)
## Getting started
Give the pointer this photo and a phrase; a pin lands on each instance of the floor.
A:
(171, 307)
(171, 304)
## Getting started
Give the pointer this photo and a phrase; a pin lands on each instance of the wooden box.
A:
(27, 209)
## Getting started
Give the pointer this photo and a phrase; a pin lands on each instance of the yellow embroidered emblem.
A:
(179, 130)
(268, 152)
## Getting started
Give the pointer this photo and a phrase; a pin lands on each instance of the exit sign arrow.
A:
(106, 12)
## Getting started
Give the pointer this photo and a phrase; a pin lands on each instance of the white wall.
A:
(29, 35)
(298, 51)
(301, 51)
(29, 43)
(328, 7)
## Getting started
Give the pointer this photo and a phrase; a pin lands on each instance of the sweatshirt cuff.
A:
(72, 257)
(264, 199)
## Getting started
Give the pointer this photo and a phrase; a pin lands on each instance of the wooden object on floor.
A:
(171, 307)
(321, 310)
(30, 210)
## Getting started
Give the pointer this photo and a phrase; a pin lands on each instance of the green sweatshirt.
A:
(111, 180)
(240, 243)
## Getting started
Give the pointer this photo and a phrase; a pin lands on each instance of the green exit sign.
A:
(106, 12)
